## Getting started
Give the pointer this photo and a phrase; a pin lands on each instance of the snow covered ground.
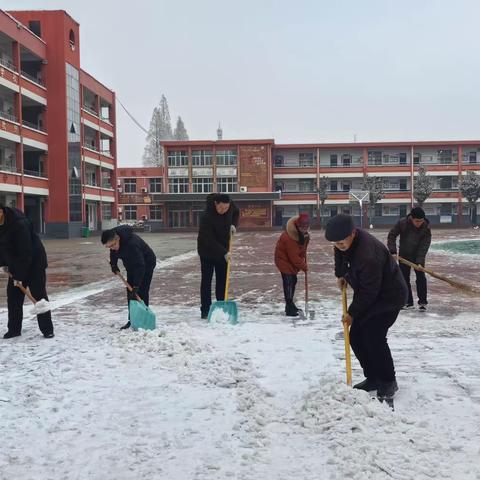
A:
(256, 400)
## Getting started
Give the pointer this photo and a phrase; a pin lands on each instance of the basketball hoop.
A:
(360, 197)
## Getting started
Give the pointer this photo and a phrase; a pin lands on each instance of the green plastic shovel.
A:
(225, 310)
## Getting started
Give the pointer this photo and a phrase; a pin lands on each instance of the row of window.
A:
(202, 158)
(202, 185)
(155, 212)
(130, 185)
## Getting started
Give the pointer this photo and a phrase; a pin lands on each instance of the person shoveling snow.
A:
(23, 257)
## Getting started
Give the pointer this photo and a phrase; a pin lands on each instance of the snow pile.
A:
(220, 316)
(41, 306)
(367, 439)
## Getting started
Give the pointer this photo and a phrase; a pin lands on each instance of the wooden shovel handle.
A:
(129, 287)
(24, 290)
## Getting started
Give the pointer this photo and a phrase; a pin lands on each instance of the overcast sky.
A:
(296, 71)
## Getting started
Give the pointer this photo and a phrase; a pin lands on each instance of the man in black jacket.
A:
(137, 257)
(23, 255)
(415, 238)
(219, 220)
(379, 292)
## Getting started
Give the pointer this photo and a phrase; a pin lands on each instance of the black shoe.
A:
(422, 307)
(368, 385)
(11, 335)
(204, 316)
(291, 310)
(49, 335)
(127, 325)
(387, 389)
(408, 306)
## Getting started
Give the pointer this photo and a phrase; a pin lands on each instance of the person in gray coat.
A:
(415, 237)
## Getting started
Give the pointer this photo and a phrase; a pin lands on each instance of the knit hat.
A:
(302, 220)
(339, 227)
(417, 212)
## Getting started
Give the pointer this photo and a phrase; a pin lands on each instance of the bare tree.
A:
(422, 186)
(469, 187)
(374, 186)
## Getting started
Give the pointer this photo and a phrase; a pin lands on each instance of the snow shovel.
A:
(140, 315)
(225, 309)
(39, 306)
(453, 283)
(346, 336)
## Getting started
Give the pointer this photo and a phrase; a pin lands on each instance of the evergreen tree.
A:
(422, 186)
(180, 132)
(322, 196)
(374, 187)
(469, 187)
(160, 129)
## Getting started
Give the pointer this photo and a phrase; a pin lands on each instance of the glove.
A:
(132, 294)
(233, 230)
(227, 257)
(17, 283)
(5, 269)
(115, 269)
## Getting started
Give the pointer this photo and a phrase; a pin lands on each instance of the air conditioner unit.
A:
(144, 218)
(120, 209)
(119, 189)
(144, 189)
(243, 189)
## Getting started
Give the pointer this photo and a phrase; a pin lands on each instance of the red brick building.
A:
(272, 182)
(57, 127)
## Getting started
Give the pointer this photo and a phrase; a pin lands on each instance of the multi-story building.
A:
(57, 127)
(273, 182)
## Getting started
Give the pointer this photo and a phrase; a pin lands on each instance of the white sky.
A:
(303, 71)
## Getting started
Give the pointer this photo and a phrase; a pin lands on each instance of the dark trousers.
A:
(421, 284)
(143, 288)
(289, 284)
(369, 343)
(208, 266)
(36, 282)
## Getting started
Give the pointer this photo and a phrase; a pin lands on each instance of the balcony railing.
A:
(33, 79)
(8, 116)
(35, 173)
(342, 165)
(35, 126)
(8, 64)
(90, 110)
(8, 168)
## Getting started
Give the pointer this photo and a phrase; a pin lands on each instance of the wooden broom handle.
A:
(129, 287)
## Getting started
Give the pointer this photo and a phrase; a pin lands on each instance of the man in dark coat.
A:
(291, 257)
(137, 257)
(415, 238)
(217, 223)
(379, 292)
(23, 255)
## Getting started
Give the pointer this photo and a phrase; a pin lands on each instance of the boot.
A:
(387, 389)
(368, 385)
(11, 335)
(127, 325)
(291, 310)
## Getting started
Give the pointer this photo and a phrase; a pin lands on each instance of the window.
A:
(346, 186)
(226, 157)
(34, 26)
(177, 158)
(155, 185)
(333, 160)
(346, 160)
(402, 158)
(91, 176)
(472, 157)
(227, 185)
(374, 158)
(130, 212)
(106, 179)
(333, 185)
(178, 185)
(445, 183)
(201, 158)
(279, 160)
(378, 209)
(306, 185)
(446, 209)
(445, 156)
(202, 185)
(156, 212)
(106, 211)
(305, 159)
(417, 158)
(403, 184)
(130, 185)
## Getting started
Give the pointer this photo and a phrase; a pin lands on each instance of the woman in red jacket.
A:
(291, 257)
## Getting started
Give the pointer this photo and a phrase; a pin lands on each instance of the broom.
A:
(454, 283)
